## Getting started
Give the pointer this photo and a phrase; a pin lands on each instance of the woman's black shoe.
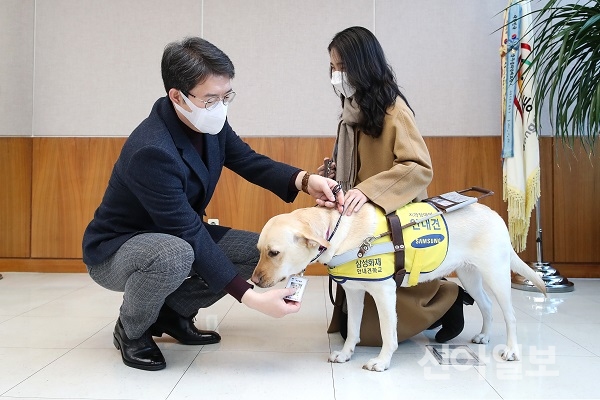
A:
(181, 328)
(140, 353)
(453, 321)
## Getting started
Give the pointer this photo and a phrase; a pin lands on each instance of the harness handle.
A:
(398, 242)
(485, 192)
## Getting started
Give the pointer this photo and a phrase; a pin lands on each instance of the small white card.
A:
(299, 283)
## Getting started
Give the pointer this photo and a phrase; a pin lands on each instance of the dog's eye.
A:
(273, 253)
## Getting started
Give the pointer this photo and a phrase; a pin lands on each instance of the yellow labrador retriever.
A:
(479, 250)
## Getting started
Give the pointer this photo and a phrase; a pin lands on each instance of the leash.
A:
(322, 249)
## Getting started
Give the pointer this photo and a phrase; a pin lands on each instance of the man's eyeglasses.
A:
(212, 102)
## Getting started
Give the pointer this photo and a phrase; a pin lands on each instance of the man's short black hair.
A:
(188, 63)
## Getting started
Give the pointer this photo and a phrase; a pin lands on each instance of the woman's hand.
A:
(272, 302)
(354, 201)
(328, 165)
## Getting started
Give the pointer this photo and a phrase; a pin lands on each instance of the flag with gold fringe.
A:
(520, 147)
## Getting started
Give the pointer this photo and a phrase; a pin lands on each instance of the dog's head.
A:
(287, 244)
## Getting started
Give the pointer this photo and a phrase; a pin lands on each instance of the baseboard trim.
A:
(50, 265)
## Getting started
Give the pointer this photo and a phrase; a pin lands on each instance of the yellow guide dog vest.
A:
(426, 246)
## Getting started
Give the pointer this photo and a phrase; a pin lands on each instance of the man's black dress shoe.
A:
(181, 328)
(140, 353)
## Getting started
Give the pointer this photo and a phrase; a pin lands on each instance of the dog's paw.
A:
(481, 339)
(339, 357)
(510, 354)
(377, 364)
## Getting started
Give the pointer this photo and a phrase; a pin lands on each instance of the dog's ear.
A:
(311, 240)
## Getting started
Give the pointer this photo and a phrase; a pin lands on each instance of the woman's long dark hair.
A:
(370, 74)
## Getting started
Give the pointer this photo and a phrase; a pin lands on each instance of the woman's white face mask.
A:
(206, 121)
(339, 80)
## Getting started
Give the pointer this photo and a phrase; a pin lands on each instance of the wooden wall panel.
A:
(576, 211)
(69, 179)
(241, 205)
(459, 163)
(55, 185)
(15, 197)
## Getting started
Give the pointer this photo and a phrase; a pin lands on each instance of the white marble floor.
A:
(56, 343)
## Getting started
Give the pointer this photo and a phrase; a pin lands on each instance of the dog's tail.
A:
(517, 265)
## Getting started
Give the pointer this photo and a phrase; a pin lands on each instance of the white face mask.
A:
(206, 121)
(339, 80)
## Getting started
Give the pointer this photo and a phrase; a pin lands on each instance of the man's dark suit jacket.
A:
(161, 184)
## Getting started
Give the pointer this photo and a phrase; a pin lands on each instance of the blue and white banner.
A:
(520, 147)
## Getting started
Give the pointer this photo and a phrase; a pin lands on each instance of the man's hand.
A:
(322, 189)
(272, 302)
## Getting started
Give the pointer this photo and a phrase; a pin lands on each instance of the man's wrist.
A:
(249, 299)
(304, 184)
(238, 287)
(298, 180)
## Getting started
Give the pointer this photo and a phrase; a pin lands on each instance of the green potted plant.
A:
(565, 66)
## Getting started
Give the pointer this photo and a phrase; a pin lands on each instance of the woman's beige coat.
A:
(393, 170)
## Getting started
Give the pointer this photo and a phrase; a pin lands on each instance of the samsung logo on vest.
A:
(427, 241)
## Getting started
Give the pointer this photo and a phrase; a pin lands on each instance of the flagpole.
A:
(555, 283)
